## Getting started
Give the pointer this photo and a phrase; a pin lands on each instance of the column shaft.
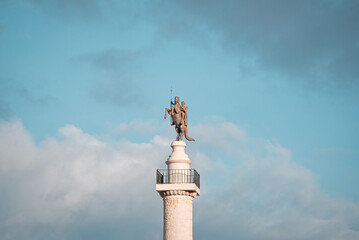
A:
(178, 217)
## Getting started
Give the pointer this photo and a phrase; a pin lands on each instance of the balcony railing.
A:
(164, 176)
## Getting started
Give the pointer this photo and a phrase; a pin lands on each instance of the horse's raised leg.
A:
(178, 133)
(166, 112)
(181, 128)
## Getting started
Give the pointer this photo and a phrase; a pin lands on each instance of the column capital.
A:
(177, 193)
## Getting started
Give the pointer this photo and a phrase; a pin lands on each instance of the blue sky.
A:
(273, 83)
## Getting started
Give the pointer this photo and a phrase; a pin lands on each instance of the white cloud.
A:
(77, 184)
(267, 195)
(54, 182)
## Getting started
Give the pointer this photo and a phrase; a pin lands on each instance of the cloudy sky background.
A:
(272, 89)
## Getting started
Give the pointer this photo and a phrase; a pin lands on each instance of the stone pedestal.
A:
(178, 158)
(178, 194)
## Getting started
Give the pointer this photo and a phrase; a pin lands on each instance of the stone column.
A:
(177, 215)
(178, 195)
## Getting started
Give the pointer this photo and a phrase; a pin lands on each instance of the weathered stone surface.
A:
(178, 217)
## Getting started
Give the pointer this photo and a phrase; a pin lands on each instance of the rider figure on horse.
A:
(179, 115)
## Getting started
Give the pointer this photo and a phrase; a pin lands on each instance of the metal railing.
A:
(164, 176)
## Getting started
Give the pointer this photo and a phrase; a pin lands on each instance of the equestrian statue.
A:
(179, 118)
